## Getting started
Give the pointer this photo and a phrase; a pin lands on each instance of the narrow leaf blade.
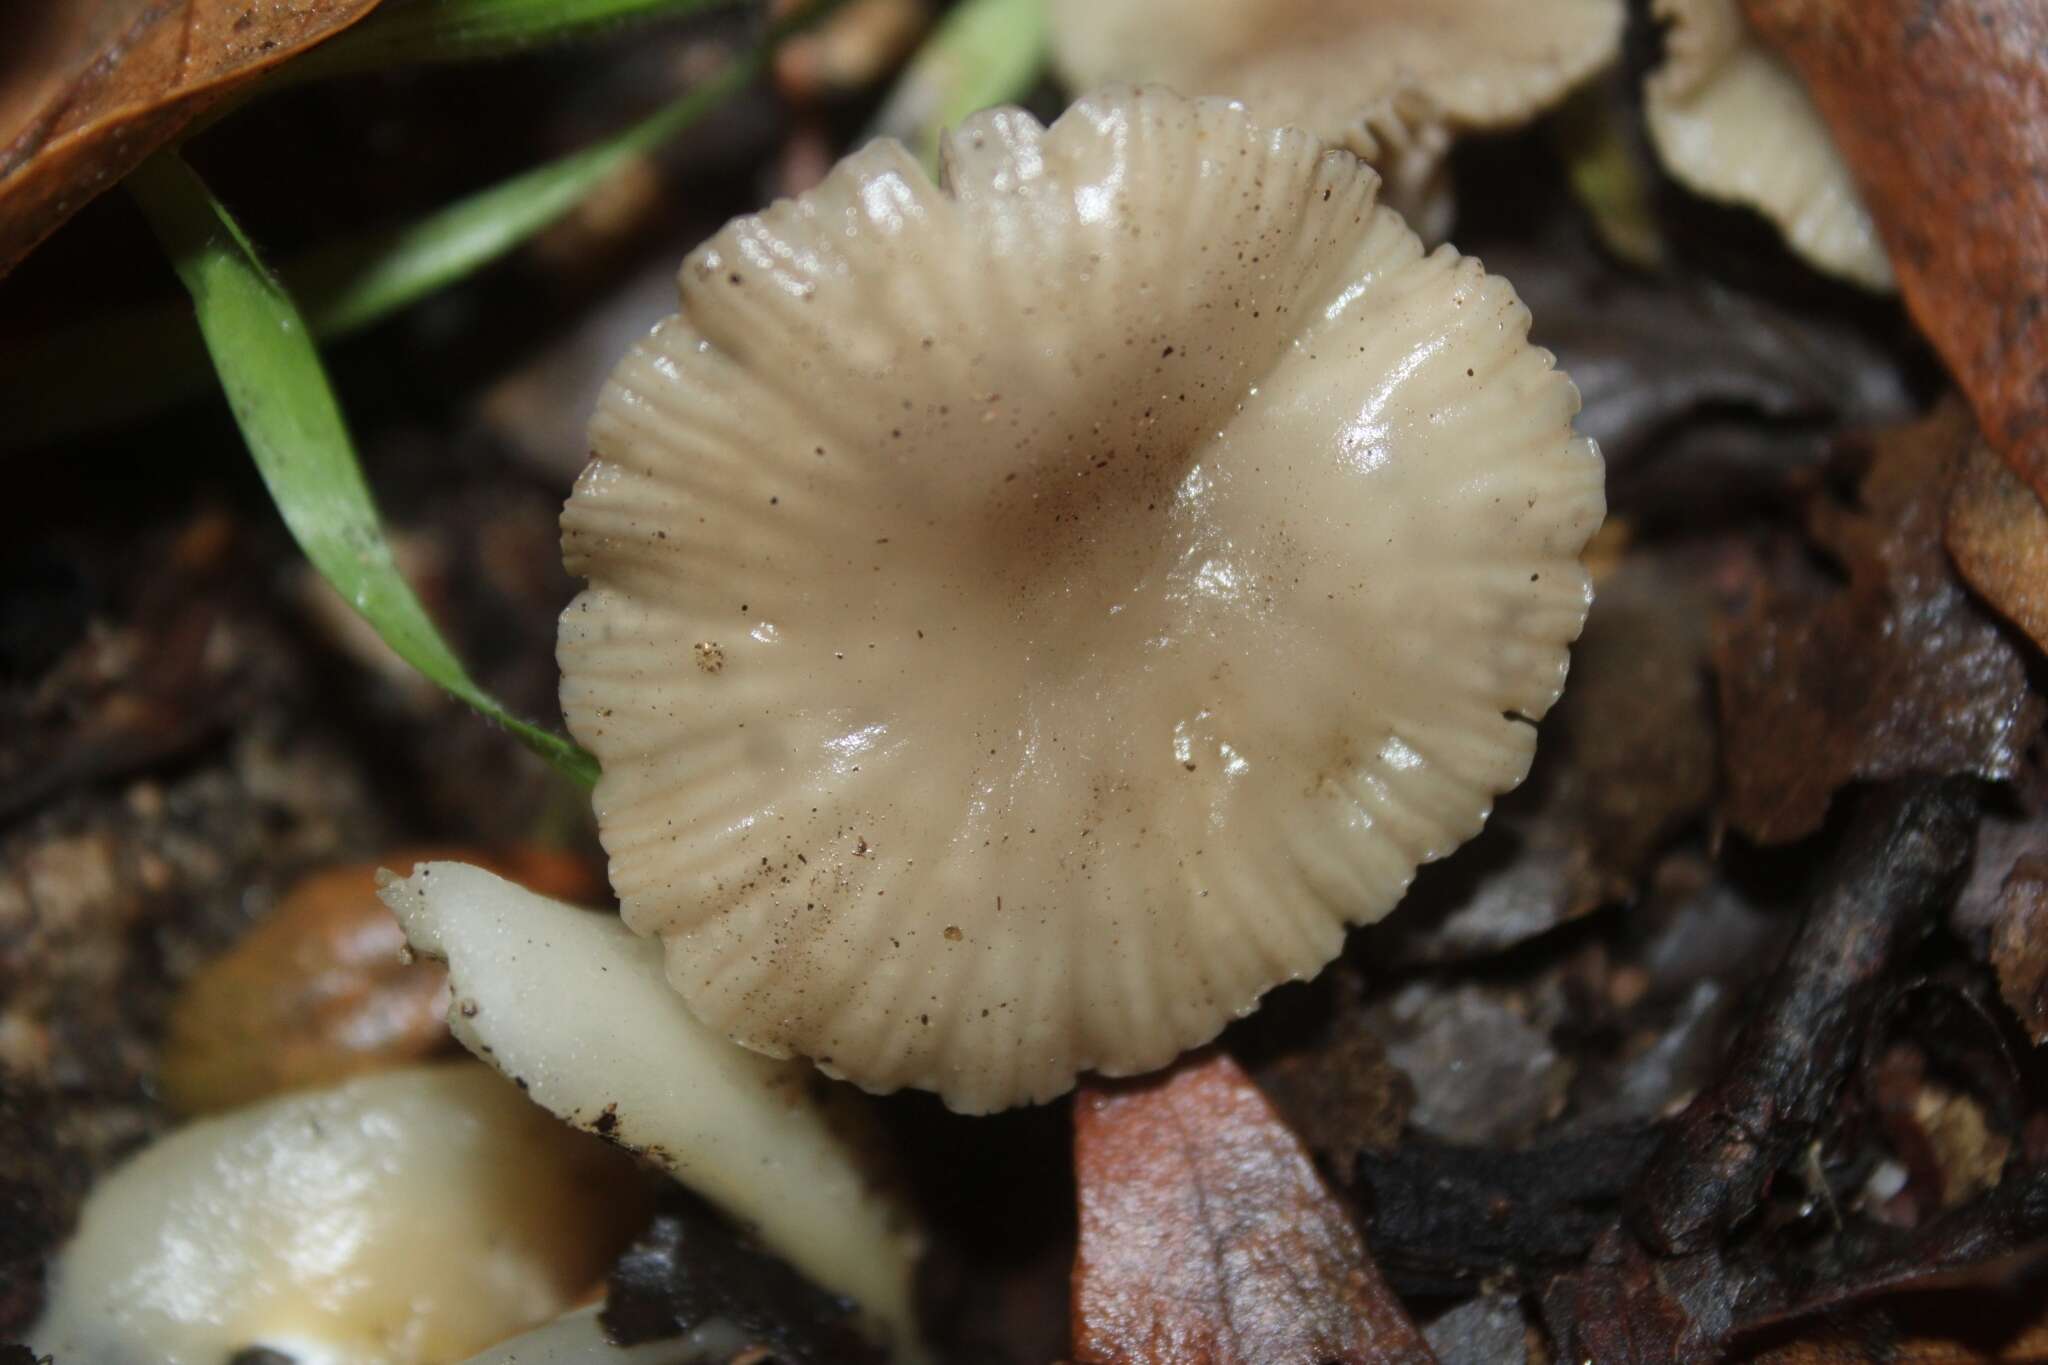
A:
(279, 393)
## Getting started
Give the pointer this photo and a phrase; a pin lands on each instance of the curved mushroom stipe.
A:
(1031, 616)
(573, 1008)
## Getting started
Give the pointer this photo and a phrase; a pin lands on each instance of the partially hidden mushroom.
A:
(572, 1006)
(1392, 80)
(1032, 615)
(401, 1218)
(1731, 121)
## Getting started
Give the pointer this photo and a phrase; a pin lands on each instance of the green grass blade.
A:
(411, 32)
(280, 396)
(352, 286)
(61, 389)
(984, 52)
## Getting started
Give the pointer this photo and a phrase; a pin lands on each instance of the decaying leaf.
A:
(1208, 1239)
(2019, 946)
(1997, 532)
(1624, 1307)
(1941, 110)
(1897, 672)
(1483, 1071)
(1637, 723)
(2002, 912)
(110, 83)
(1488, 1330)
(1344, 1097)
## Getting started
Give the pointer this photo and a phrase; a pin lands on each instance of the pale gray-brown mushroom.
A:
(1731, 121)
(1031, 616)
(1393, 80)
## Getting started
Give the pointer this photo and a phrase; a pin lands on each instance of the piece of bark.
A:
(1906, 852)
(2019, 946)
(1941, 111)
(1624, 1307)
(1997, 533)
(1207, 1238)
(1445, 1219)
(110, 83)
(690, 1268)
(1899, 672)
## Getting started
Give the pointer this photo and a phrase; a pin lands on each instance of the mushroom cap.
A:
(405, 1216)
(1731, 121)
(1331, 66)
(1029, 617)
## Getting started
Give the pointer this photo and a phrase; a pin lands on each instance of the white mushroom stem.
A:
(574, 1008)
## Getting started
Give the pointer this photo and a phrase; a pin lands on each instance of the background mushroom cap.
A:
(1030, 618)
(1731, 121)
(1332, 65)
(401, 1217)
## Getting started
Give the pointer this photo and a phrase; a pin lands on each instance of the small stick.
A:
(1902, 861)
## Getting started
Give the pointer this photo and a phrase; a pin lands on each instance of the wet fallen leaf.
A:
(1624, 1307)
(1896, 672)
(1997, 532)
(1208, 1239)
(113, 82)
(1941, 110)
(1488, 1330)
(1637, 723)
(1483, 1071)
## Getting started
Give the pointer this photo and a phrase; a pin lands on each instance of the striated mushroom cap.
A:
(1731, 121)
(1391, 80)
(1030, 617)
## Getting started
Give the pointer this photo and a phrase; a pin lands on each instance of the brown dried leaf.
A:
(1899, 672)
(1997, 532)
(1941, 110)
(101, 86)
(2019, 946)
(1208, 1239)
